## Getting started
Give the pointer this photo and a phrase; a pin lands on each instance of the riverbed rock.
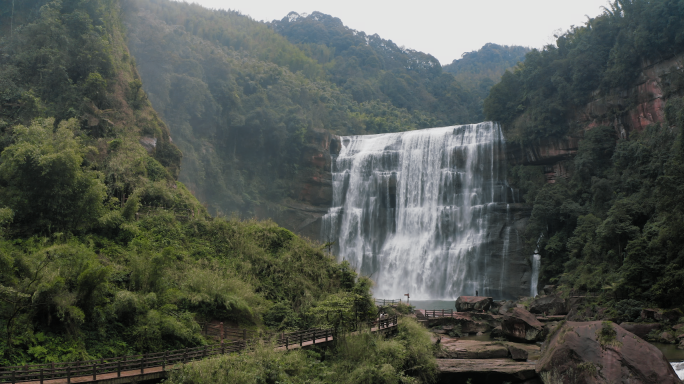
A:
(667, 337)
(640, 329)
(485, 371)
(471, 349)
(602, 352)
(549, 305)
(521, 325)
(517, 353)
(473, 303)
(470, 322)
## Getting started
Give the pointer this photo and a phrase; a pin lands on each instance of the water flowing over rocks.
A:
(429, 212)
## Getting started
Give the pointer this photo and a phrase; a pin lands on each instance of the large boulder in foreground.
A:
(519, 324)
(601, 352)
(473, 303)
(641, 329)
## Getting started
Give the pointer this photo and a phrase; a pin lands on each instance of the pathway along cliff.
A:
(429, 212)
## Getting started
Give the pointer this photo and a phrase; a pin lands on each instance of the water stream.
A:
(427, 213)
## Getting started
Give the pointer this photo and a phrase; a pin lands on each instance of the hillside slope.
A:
(600, 112)
(102, 251)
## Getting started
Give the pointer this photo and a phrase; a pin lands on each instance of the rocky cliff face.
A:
(302, 212)
(626, 111)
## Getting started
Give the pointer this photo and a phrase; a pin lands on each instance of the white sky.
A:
(445, 29)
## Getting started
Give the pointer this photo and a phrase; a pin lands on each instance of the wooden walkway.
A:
(133, 369)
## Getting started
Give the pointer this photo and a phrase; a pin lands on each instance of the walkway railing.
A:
(439, 313)
(163, 360)
(386, 302)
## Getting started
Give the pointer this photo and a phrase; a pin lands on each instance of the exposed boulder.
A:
(473, 303)
(602, 352)
(549, 289)
(469, 322)
(666, 337)
(549, 305)
(641, 329)
(519, 324)
(472, 349)
(505, 306)
(484, 371)
(517, 353)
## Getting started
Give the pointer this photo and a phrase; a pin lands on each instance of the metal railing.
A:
(68, 370)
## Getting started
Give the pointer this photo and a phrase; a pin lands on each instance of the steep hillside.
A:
(254, 113)
(480, 70)
(102, 251)
(600, 112)
(369, 67)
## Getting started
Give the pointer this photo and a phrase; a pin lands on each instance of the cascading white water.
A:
(425, 211)
(536, 264)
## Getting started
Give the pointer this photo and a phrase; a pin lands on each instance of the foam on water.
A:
(414, 210)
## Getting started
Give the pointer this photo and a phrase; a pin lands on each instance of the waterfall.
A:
(425, 211)
(536, 264)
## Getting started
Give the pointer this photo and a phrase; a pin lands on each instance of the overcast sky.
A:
(446, 29)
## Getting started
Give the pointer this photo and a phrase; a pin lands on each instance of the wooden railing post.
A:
(287, 345)
(118, 368)
(53, 370)
(142, 364)
(94, 371)
(301, 339)
(14, 377)
(68, 374)
(223, 348)
(41, 376)
(166, 353)
(185, 355)
(314, 337)
(244, 334)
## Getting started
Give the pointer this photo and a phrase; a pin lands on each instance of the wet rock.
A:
(496, 332)
(473, 303)
(602, 352)
(470, 322)
(505, 306)
(681, 344)
(640, 329)
(667, 337)
(521, 325)
(549, 305)
(517, 353)
(484, 371)
(472, 349)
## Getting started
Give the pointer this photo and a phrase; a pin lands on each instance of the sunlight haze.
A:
(445, 29)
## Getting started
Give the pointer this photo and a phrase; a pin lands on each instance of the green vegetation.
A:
(251, 104)
(480, 70)
(614, 225)
(540, 96)
(102, 251)
(361, 358)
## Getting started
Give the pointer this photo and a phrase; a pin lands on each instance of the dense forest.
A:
(615, 224)
(479, 70)
(102, 251)
(247, 101)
